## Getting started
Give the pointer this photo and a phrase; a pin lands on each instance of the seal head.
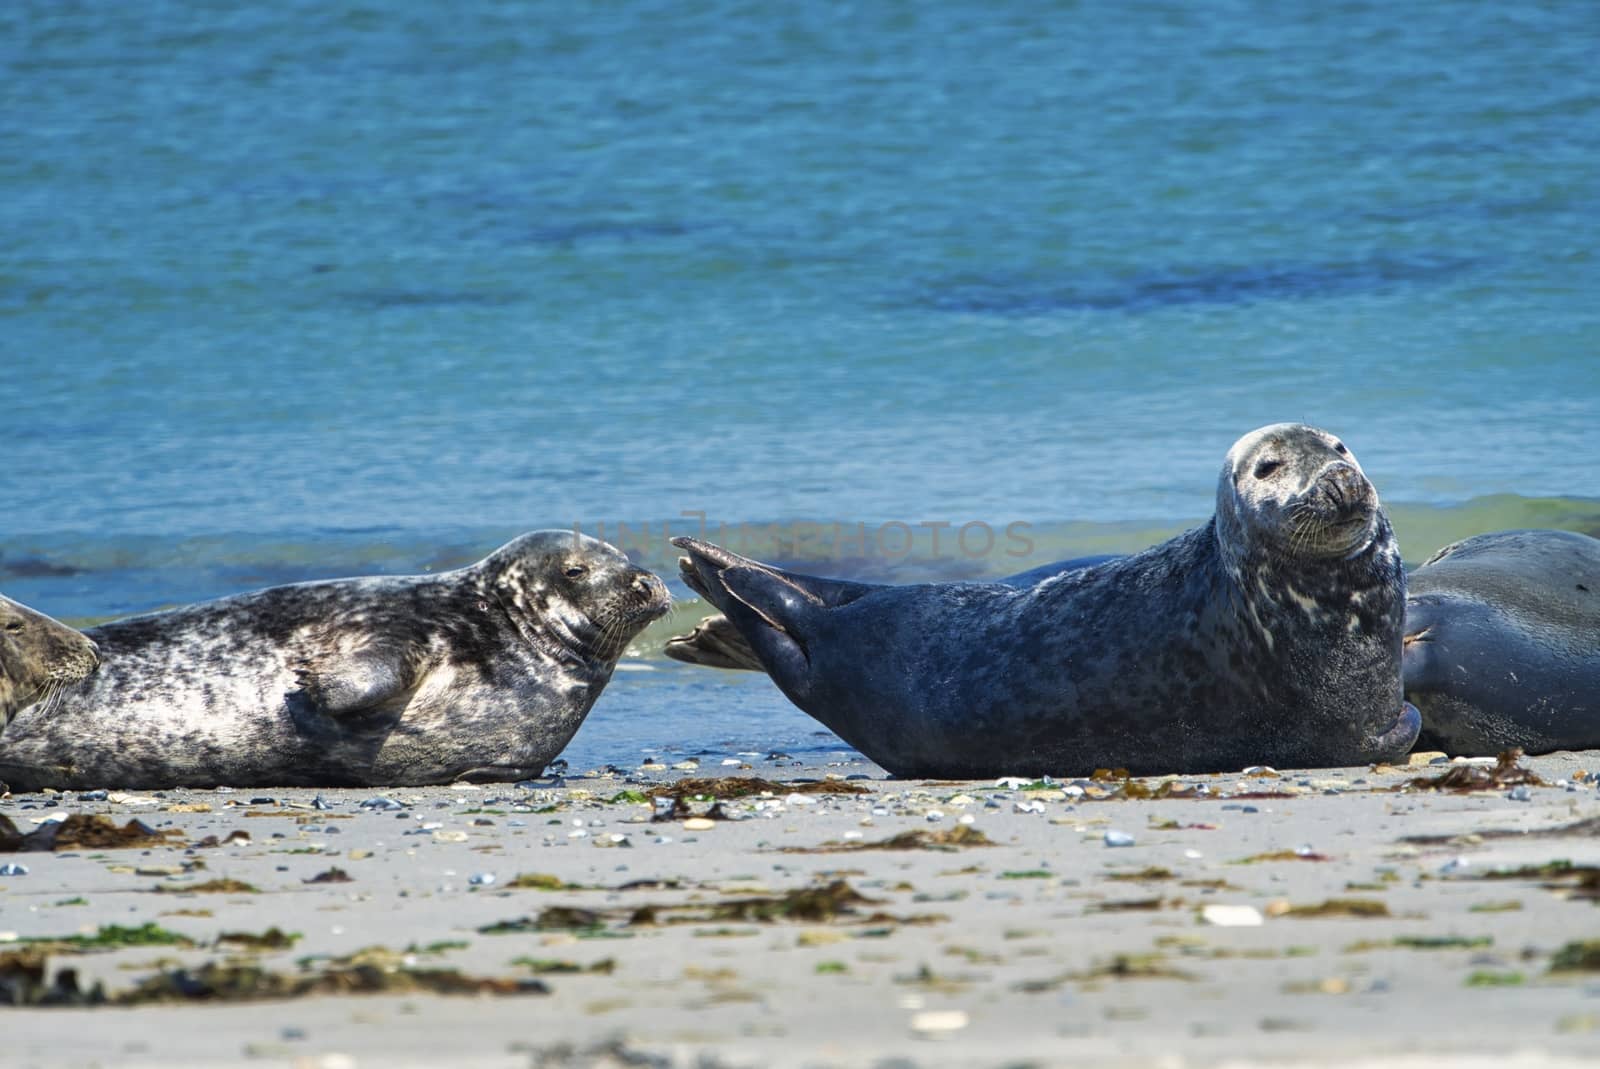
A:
(39, 657)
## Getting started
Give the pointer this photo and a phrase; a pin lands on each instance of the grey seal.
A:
(1269, 635)
(1502, 644)
(39, 658)
(481, 673)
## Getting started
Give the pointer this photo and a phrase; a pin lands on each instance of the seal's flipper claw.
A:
(691, 577)
(714, 643)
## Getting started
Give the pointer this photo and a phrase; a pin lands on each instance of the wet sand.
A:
(1300, 918)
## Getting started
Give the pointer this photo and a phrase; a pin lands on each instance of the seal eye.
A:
(1267, 467)
(1338, 447)
(576, 571)
(13, 626)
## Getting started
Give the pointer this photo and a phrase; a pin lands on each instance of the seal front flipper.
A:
(714, 643)
(359, 684)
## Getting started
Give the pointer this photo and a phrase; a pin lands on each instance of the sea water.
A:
(295, 290)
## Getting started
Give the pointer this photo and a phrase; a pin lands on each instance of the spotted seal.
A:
(1502, 644)
(481, 673)
(39, 658)
(1269, 635)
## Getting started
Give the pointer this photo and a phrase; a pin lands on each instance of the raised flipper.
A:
(773, 611)
(716, 643)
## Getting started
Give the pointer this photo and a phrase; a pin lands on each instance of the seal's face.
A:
(38, 657)
(584, 592)
(1300, 490)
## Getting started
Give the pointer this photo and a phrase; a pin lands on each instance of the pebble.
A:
(933, 816)
(1520, 793)
(938, 1022)
(11, 868)
(382, 804)
(481, 879)
(1011, 783)
(699, 824)
(1232, 916)
(1118, 838)
(731, 761)
(800, 799)
(449, 836)
(93, 796)
(1028, 807)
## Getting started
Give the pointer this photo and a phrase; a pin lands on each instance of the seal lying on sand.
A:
(483, 673)
(1269, 635)
(1502, 644)
(38, 658)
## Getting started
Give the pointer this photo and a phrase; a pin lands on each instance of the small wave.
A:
(1001, 294)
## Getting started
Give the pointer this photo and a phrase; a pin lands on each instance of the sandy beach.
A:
(620, 917)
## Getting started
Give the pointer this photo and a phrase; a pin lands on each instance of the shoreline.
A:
(731, 941)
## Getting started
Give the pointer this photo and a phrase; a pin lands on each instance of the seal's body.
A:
(1271, 635)
(1502, 643)
(482, 673)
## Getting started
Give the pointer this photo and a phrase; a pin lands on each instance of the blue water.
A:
(301, 289)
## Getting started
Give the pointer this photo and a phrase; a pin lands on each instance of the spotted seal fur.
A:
(480, 673)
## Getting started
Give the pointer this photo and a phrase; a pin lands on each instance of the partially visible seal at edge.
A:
(1502, 645)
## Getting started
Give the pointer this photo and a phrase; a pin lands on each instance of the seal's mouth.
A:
(653, 599)
(1400, 737)
(645, 600)
(1337, 516)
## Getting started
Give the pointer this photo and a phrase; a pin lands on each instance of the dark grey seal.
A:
(482, 673)
(1270, 635)
(39, 657)
(1502, 644)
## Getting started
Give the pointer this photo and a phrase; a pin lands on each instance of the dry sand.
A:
(674, 943)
